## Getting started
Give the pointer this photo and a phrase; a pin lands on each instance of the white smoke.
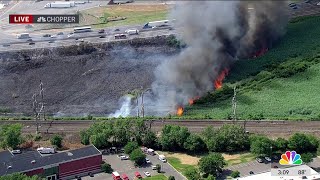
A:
(124, 110)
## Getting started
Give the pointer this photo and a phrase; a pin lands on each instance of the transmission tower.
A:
(234, 105)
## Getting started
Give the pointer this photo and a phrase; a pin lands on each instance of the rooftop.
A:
(22, 162)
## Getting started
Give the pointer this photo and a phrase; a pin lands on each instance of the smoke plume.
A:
(124, 110)
(217, 33)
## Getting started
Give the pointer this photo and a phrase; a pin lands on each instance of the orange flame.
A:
(191, 101)
(180, 111)
(220, 78)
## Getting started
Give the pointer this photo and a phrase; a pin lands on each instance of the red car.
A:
(138, 175)
(125, 177)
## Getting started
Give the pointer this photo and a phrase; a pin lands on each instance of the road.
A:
(6, 37)
(272, 128)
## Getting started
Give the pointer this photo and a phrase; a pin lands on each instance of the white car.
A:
(148, 160)
(17, 151)
(154, 167)
(147, 173)
(123, 157)
(268, 159)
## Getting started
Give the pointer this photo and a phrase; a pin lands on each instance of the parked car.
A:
(16, 151)
(292, 4)
(154, 167)
(137, 175)
(259, 160)
(125, 177)
(268, 159)
(251, 172)
(101, 31)
(147, 173)
(123, 157)
(275, 167)
(148, 160)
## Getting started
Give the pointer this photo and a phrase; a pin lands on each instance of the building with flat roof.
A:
(63, 165)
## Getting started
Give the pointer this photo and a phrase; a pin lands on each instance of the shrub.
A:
(158, 168)
(106, 168)
(235, 174)
(56, 140)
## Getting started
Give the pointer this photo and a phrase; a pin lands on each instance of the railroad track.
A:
(276, 128)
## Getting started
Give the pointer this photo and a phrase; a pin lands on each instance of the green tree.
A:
(261, 145)
(18, 176)
(303, 143)
(121, 132)
(210, 177)
(150, 139)
(139, 130)
(194, 144)
(192, 174)
(56, 140)
(307, 157)
(212, 164)
(106, 168)
(158, 168)
(138, 157)
(171, 178)
(130, 147)
(228, 138)
(99, 140)
(10, 136)
(85, 137)
(235, 174)
(281, 144)
(173, 137)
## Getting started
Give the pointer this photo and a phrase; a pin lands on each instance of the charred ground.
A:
(79, 80)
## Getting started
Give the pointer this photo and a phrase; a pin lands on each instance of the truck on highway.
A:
(154, 24)
(132, 31)
(60, 4)
(23, 36)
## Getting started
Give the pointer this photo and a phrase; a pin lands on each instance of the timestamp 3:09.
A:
(287, 172)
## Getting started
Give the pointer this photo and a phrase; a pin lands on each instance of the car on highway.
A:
(70, 35)
(54, 36)
(268, 159)
(292, 4)
(259, 160)
(6, 45)
(60, 33)
(32, 43)
(46, 35)
(147, 173)
(81, 40)
(100, 31)
(132, 31)
(120, 36)
(117, 29)
(103, 36)
(137, 175)
(29, 40)
(51, 42)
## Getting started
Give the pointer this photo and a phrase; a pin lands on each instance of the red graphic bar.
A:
(20, 19)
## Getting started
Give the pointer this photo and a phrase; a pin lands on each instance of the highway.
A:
(9, 42)
(268, 127)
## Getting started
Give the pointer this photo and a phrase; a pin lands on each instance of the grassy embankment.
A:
(134, 14)
(282, 84)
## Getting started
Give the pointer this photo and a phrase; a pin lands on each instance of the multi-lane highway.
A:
(272, 128)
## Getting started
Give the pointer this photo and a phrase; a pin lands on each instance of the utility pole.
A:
(138, 107)
(234, 105)
(34, 107)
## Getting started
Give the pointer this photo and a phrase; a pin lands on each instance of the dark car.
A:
(117, 29)
(51, 42)
(102, 36)
(101, 31)
(46, 35)
(29, 40)
(251, 172)
(275, 167)
(292, 4)
(294, 7)
(32, 43)
(6, 45)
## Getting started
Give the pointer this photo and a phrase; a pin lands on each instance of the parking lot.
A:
(253, 166)
(127, 167)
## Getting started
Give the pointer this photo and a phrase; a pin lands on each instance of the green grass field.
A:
(157, 177)
(242, 158)
(282, 84)
(134, 14)
(176, 163)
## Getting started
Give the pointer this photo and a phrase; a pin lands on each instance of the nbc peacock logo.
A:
(290, 158)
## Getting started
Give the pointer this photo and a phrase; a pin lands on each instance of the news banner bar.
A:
(43, 19)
